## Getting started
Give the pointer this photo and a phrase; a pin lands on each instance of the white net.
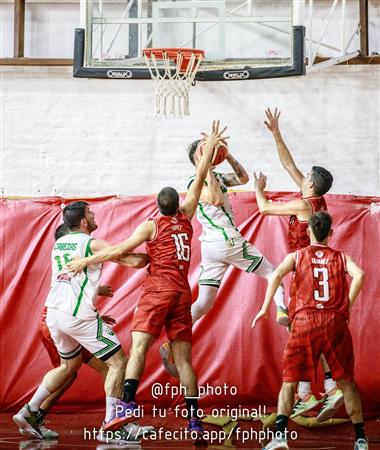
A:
(173, 82)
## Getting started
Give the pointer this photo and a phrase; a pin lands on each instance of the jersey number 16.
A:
(183, 250)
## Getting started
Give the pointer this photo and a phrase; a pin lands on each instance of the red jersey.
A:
(319, 280)
(297, 234)
(169, 252)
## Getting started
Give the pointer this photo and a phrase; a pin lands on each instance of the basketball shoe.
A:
(361, 444)
(27, 422)
(282, 317)
(303, 404)
(137, 431)
(46, 432)
(279, 443)
(196, 431)
(331, 402)
(122, 416)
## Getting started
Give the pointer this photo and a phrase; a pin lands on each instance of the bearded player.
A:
(312, 186)
(166, 299)
(88, 358)
(74, 322)
(322, 301)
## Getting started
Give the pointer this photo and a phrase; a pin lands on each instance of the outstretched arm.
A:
(299, 208)
(190, 204)
(274, 282)
(134, 260)
(357, 275)
(283, 152)
(143, 232)
(239, 175)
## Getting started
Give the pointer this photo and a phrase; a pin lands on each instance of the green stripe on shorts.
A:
(256, 260)
(99, 336)
(209, 282)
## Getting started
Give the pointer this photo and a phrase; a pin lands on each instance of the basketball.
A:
(219, 155)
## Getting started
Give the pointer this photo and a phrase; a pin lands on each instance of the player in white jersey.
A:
(222, 244)
(74, 322)
(73, 295)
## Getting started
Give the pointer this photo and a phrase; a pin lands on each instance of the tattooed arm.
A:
(238, 176)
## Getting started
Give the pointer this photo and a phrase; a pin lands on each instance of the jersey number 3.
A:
(321, 274)
(183, 250)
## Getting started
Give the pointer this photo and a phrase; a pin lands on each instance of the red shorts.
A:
(48, 342)
(169, 308)
(313, 333)
(291, 309)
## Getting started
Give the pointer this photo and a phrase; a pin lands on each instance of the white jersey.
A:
(73, 294)
(217, 221)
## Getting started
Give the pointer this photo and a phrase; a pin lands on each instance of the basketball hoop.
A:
(173, 82)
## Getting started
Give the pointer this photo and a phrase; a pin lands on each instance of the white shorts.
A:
(70, 334)
(217, 256)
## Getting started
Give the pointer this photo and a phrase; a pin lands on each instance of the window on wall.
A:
(6, 41)
(49, 28)
(50, 24)
(373, 27)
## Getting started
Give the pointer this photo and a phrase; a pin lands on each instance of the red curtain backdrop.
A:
(226, 352)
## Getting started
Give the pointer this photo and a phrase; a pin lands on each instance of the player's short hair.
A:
(61, 230)
(322, 180)
(168, 201)
(191, 149)
(73, 213)
(320, 224)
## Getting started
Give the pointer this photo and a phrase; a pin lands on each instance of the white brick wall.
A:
(78, 137)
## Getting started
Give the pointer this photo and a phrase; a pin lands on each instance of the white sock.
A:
(111, 403)
(38, 398)
(279, 297)
(205, 301)
(304, 388)
(329, 384)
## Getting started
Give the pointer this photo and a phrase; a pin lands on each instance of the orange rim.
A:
(172, 53)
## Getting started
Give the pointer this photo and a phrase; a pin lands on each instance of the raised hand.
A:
(105, 291)
(213, 139)
(260, 181)
(272, 120)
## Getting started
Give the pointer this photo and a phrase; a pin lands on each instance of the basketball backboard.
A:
(241, 39)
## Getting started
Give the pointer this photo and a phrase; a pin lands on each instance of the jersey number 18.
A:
(58, 260)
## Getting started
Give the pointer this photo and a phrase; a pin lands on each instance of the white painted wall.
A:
(78, 137)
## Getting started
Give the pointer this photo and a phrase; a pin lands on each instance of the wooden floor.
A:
(72, 428)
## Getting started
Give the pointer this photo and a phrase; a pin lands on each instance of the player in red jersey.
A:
(322, 300)
(313, 186)
(166, 299)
